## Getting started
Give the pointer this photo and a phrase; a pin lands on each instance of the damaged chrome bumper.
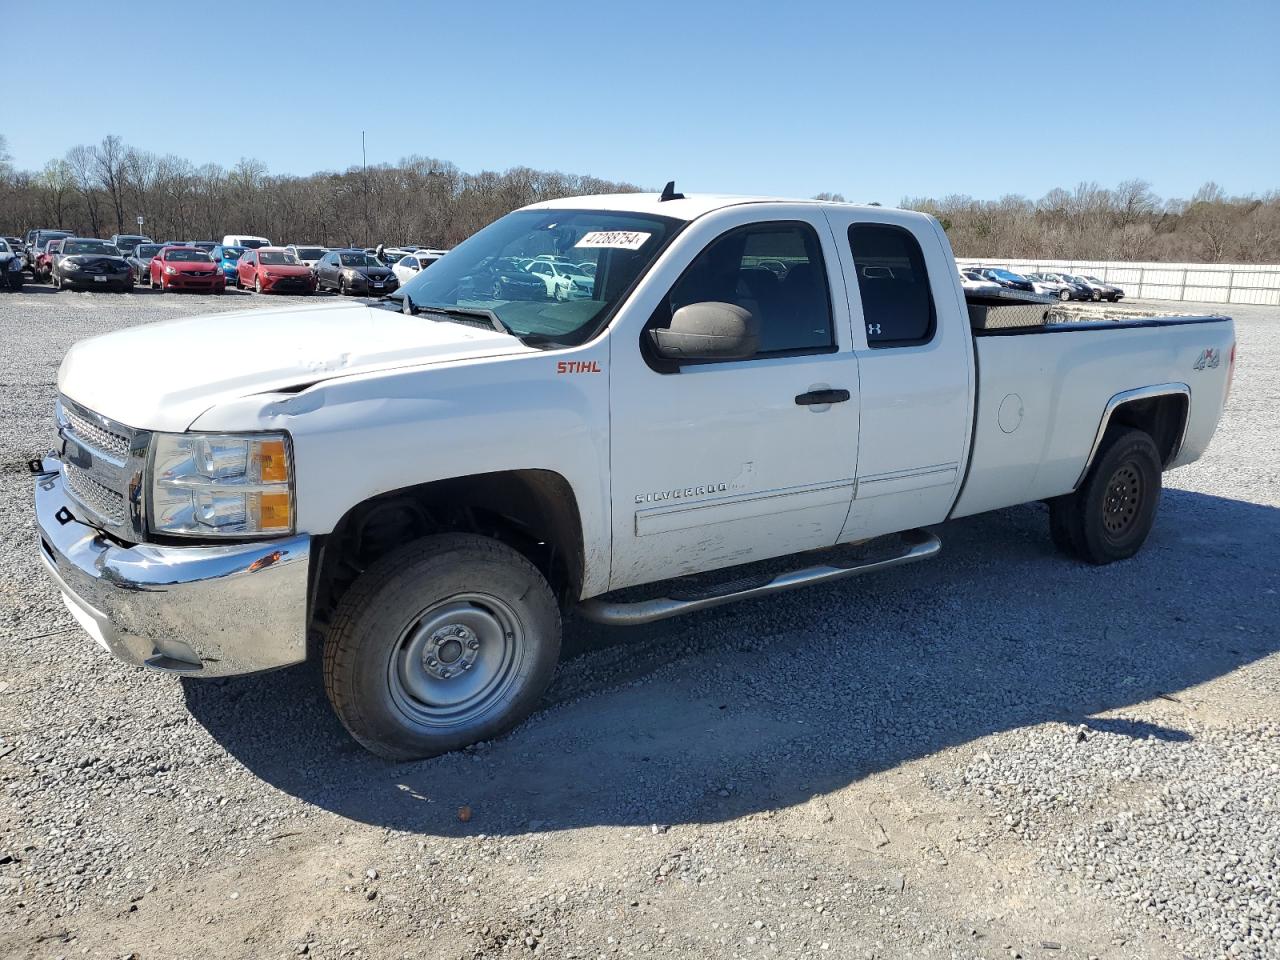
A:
(209, 611)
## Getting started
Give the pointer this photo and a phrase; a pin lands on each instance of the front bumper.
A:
(182, 281)
(211, 611)
(288, 285)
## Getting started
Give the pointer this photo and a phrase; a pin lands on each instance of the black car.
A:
(85, 262)
(10, 266)
(1006, 278)
(354, 271)
(140, 261)
(502, 279)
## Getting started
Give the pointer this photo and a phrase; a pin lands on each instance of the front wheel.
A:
(445, 642)
(1112, 513)
(1095, 296)
(257, 284)
(1064, 296)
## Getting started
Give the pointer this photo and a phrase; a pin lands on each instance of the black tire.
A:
(1111, 515)
(411, 603)
(1095, 296)
(1064, 295)
(257, 284)
(158, 285)
(342, 286)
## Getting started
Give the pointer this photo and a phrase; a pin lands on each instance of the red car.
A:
(43, 272)
(185, 268)
(274, 270)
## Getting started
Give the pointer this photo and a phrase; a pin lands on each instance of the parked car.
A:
(971, 282)
(245, 240)
(125, 242)
(501, 278)
(185, 268)
(140, 261)
(408, 266)
(1050, 287)
(449, 491)
(563, 279)
(86, 262)
(36, 239)
(1068, 288)
(307, 253)
(11, 264)
(48, 252)
(273, 270)
(1101, 290)
(206, 245)
(227, 259)
(1006, 278)
(354, 272)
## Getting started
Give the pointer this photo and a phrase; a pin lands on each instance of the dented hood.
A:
(162, 376)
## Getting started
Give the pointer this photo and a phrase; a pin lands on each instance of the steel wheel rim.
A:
(456, 660)
(1123, 500)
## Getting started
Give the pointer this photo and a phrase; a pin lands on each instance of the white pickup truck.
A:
(415, 490)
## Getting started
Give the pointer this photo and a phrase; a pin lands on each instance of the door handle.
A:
(815, 397)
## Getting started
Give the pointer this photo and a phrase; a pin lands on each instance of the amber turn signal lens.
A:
(273, 511)
(273, 464)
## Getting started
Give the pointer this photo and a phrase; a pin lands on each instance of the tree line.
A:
(100, 189)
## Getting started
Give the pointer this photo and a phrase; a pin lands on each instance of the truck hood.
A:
(163, 376)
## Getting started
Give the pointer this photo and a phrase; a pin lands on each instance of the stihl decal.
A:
(578, 366)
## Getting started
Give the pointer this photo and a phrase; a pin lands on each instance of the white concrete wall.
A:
(1202, 282)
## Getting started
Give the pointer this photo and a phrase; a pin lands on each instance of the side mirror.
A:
(709, 331)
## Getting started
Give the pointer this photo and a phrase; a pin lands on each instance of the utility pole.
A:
(364, 165)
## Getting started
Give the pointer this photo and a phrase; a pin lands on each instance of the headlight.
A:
(170, 270)
(223, 485)
(349, 273)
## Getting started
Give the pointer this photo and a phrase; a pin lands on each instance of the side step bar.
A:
(912, 545)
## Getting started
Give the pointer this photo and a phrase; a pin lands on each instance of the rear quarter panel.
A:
(1054, 388)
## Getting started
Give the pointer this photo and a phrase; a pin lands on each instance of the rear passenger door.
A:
(915, 357)
(720, 463)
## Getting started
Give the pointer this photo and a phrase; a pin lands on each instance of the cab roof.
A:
(688, 207)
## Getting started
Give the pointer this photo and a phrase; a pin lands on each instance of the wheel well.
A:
(533, 511)
(1163, 418)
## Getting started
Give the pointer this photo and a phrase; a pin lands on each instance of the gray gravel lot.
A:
(996, 754)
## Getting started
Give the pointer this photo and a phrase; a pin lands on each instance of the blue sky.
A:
(872, 100)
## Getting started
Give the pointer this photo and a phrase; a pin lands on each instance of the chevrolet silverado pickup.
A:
(746, 395)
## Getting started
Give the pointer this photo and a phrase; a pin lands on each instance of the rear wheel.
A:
(448, 641)
(1064, 295)
(1095, 296)
(1111, 515)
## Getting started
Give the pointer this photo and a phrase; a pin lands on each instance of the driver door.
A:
(720, 463)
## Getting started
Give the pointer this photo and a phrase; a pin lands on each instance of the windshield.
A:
(145, 250)
(188, 255)
(277, 258)
(232, 253)
(309, 253)
(100, 247)
(359, 260)
(1007, 275)
(1093, 279)
(393, 256)
(478, 273)
(255, 244)
(4, 245)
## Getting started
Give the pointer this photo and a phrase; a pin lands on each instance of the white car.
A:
(413, 263)
(972, 283)
(245, 240)
(306, 254)
(417, 501)
(564, 280)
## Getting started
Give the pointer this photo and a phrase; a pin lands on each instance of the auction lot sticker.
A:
(614, 239)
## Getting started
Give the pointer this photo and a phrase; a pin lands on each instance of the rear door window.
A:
(897, 304)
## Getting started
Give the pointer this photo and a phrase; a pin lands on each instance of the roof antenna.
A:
(669, 192)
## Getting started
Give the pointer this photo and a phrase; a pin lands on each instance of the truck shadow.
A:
(769, 703)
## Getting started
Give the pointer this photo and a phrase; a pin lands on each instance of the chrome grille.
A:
(102, 440)
(102, 466)
(105, 502)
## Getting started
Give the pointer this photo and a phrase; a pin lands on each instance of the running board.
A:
(910, 546)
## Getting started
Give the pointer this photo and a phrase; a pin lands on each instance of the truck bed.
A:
(1044, 390)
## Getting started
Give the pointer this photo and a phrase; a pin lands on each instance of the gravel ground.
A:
(996, 754)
